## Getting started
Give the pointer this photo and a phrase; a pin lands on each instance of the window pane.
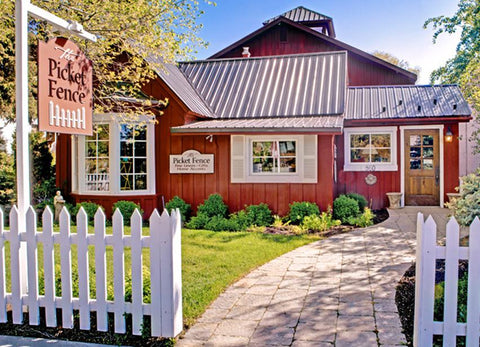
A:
(97, 153)
(381, 156)
(415, 140)
(287, 165)
(359, 141)
(381, 140)
(126, 132)
(140, 182)
(141, 133)
(428, 152)
(140, 165)
(126, 149)
(415, 152)
(262, 148)
(287, 148)
(103, 150)
(102, 131)
(428, 140)
(126, 182)
(102, 166)
(263, 165)
(126, 165)
(140, 149)
(415, 164)
(90, 166)
(91, 148)
(428, 164)
(359, 156)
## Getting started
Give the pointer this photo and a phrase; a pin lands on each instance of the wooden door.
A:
(422, 168)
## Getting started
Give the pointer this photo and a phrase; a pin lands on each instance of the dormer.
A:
(309, 18)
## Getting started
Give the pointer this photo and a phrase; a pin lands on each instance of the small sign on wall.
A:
(191, 161)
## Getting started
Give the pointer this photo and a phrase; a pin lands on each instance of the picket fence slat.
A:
(66, 269)
(137, 273)
(49, 268)
(3, 298)
(82, 265)
(473, 300)
(101, 271)
(164, 243)
(16, 301)
(451, 282)
(118, 272)
(32, 267)
(425, 326)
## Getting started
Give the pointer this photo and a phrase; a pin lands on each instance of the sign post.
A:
(22, 9)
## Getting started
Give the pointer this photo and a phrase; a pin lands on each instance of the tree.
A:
(128, 32)
(464, 68)
(396, 61)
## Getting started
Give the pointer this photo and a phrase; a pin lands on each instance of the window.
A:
(275, 159)
(371, 149)
(116, 159)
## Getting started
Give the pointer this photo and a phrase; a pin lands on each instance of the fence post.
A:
(156, 225)
(83, 270)
(66, 269)
(137, 272)
(473, 300)
(424, 282)
(49, 268)
(118, 272)
(3, 298)
(100, 271)
(32, 267)
(176, 225)
(16, 300)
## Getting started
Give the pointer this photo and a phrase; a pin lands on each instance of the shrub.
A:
(177, 202)
(360, 199)
(364, 220)
(299, 210)
(213, 206)
(242, 219)
(259, 215)
(198, 222)
(323, 222)
(344, 208)
(89, 207)
(467, 207)
(126, 208)
(217, 223)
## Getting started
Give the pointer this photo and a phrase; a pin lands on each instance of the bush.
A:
(259, 215)
(360, 199)
(89, 207)
(213, 206)
(242, 219)
(320, 223)
(344, 208)
(364, 220)
(198, 222)
(177, 202)
(126, 208)
(467, 207)
(217, 223)
(299, 210)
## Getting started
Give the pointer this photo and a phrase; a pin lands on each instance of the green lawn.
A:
(213, 260)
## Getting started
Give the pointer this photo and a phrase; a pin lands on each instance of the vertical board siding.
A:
(164, 244)
(427, 253)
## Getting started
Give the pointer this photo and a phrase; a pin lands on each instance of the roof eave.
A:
(227, 131)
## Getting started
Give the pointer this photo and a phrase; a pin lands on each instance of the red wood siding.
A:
(451, 160)
(361, 71)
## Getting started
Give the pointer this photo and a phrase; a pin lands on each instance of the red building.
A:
(288, 113)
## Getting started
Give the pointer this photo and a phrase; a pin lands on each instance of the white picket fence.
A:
(164, 242)
(427, 253)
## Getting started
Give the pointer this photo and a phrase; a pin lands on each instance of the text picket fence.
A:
(427, 253)
(163, 241)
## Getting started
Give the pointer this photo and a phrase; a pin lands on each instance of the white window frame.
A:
(371, 166)
(78, 168)
(275, 158)
(248, 176)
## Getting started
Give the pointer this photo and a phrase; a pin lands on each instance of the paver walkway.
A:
(336, 292)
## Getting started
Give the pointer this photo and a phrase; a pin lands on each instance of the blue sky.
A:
(395, 27)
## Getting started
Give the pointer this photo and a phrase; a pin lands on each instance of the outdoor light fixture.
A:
(448, 135)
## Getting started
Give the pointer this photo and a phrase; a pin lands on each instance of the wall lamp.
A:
(448, 135)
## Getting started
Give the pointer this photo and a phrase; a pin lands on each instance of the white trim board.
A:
(438, 127)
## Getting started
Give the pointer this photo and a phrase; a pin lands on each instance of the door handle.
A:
(437, 176)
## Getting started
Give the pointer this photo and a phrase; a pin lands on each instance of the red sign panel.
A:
(65, 102)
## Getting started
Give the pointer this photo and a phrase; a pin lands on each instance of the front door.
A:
(422, 168)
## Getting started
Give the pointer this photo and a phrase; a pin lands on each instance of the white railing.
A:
(427, 253)
(163, 241)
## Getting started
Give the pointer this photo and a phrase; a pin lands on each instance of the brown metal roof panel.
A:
(390, 102)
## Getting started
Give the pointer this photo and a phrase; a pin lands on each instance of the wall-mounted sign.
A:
(64, 88)
(191, 161)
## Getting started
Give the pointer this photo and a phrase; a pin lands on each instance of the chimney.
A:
(246, 52)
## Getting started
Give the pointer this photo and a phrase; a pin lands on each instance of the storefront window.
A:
(274, 157)
(133, 157)
(97, 159)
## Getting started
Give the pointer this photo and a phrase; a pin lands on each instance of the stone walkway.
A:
(336, 292)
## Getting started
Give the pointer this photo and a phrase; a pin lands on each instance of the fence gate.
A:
(95, 255)
(427, 254)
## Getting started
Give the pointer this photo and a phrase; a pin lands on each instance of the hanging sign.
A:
(191, 161)
(65, 101)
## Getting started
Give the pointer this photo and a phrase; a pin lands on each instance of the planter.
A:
(395, 199)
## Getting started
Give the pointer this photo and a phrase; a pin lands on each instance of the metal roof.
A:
(178, 83)
(411, 101)
(273, 86)
(285, 124)
(301, 14)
